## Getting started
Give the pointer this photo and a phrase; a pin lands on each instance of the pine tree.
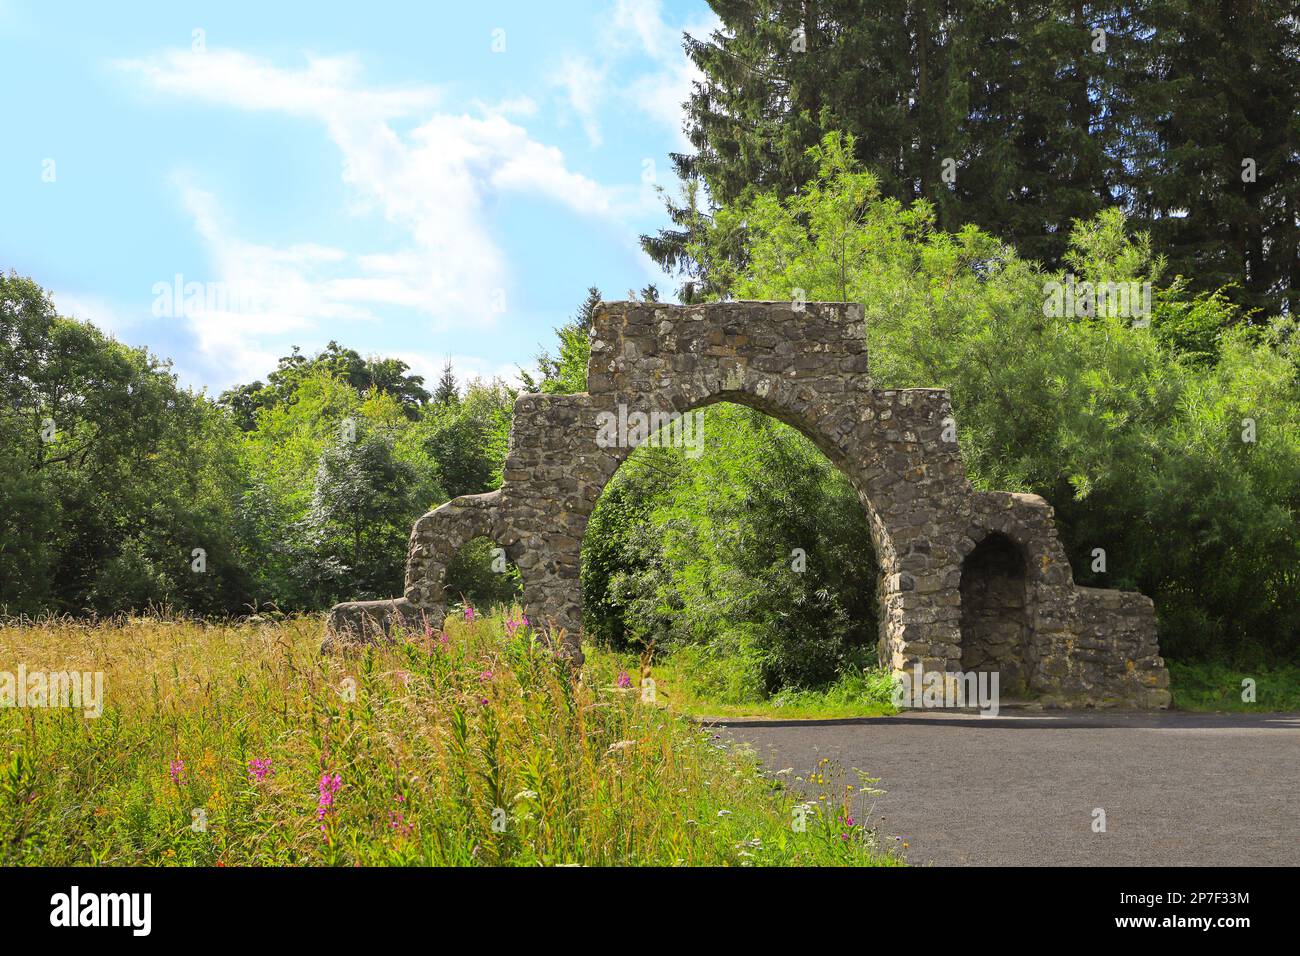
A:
(1212, 167)
(446, 393)
(587, 311)
(986, 109)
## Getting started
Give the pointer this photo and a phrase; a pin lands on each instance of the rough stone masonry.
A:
(969, 580)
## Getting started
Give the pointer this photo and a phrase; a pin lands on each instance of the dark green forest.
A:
(1020, 117)
(1170, 439)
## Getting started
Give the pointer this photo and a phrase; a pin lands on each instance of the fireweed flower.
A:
(624, 679)
(177, 770)
(396, 820)
(849, 822)
(259, 768)
(438, 638)
(485, 677)
(469, 614)
(329, 786)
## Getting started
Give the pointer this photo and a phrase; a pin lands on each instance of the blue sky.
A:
(422, 180)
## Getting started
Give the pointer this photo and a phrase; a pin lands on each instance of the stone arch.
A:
(679, 401)
(482, 575)
(850, 426)
(1028, 522)
(435, 539)
(806, 365)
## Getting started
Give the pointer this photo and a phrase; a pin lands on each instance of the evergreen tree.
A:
(1212, 155)
(988, 110)
(445, 393)
(1020, 117)
(587, 311)
(566, 373)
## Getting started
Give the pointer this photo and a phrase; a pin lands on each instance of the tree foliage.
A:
(758, 549)
(1018, 117)
(122, 490)
(1171, 441)
(112, 474)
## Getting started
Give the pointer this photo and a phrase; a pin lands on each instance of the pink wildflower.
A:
(329, 786)
(397, 821)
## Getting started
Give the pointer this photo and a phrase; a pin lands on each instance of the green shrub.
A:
(758, 543)
(130, 581)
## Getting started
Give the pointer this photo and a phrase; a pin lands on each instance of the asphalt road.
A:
(1021, 789)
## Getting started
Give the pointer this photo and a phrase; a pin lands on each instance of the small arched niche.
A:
(994, 613)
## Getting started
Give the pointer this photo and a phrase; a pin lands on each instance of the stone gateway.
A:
(969, 580)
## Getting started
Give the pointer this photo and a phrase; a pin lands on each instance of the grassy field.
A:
(235, 745)
(690, 682)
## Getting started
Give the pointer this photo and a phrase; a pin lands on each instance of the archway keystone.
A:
(806, 366)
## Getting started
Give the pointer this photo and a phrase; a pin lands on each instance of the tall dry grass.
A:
(240, 744)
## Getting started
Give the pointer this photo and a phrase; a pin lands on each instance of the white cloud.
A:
(466, 368)
(515, 106)
(327, 87)
(635, 28)
(642, 21)
(583, 82)
(256, 290)
(662, 93)
(432, 182)
(91, 309)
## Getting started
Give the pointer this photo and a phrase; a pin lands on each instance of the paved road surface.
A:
(1177, 789)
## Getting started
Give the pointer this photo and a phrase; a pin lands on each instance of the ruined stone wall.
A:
(807, 367)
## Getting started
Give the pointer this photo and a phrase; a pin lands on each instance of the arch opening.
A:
(995, 613)
(752, 556)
